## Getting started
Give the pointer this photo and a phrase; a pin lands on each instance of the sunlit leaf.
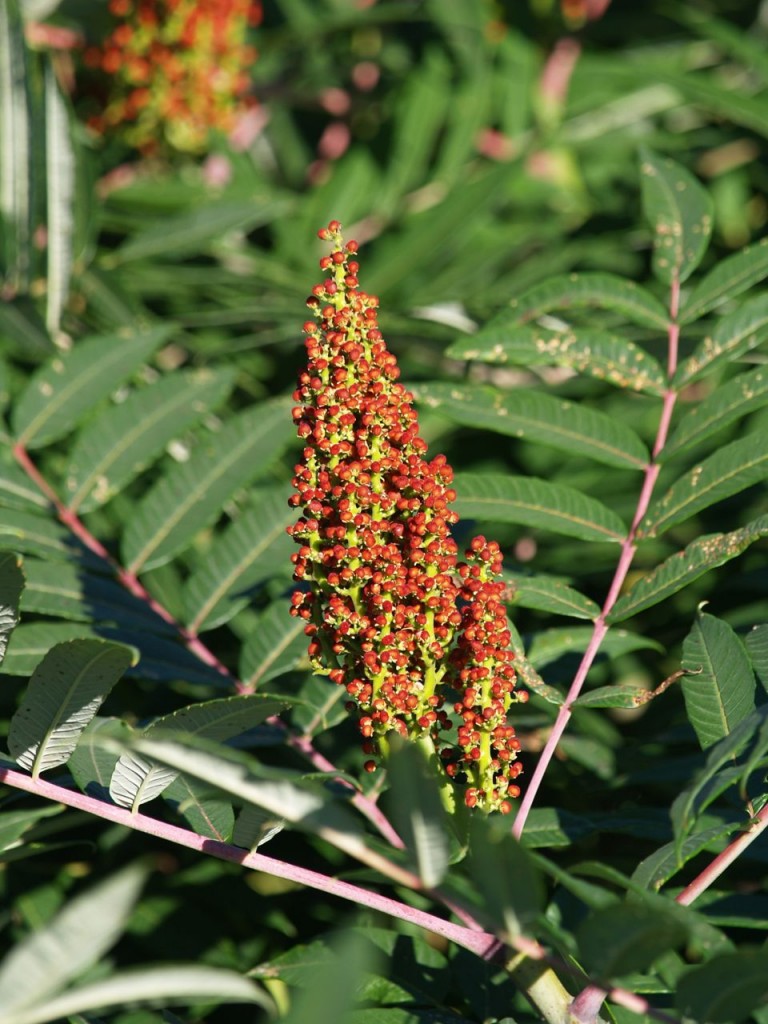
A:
(729, 278)
(732, 336)
(60, 187)
(731, 401)
(551, 644)
(276, 645)
(548, 595)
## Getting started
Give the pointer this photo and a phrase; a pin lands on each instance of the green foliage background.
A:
(182, 301)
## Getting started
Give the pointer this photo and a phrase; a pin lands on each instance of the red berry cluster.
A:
(178, 69)
(391, 614)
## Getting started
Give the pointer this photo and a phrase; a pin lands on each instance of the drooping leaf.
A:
(17, 153)
(125, 438)
(15, 824)
(276, 645)
(538, 417)
(731, 337)
(60, 192)
(719, 685)
(548, 595)
(505, 876)
(418, 813)
(92, 761)
(598, 353)
(60, 394)
(604, 291)
(135, 781)
(626, 937)
(657, 869)
(191, 495)
(677, 571)
(205, 812)
(255, 826)
(551, 644)
(47, 959)
(726, 989)
(729, 278)
(731, 401)
(537, 503)
(727, 471)
(757, 647)
(11, 586)
(64, 693)
(680, 212)
(252, 549)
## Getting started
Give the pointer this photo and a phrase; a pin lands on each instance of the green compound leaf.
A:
(537, 503)
(729, 278)
(252, 549)
(604, 291)
(534, 416)
(60, 394)
(276, 645)
(719, 685)
(11, 586)
(136, 781)
(125, 438)
(677, 571)
(65, 692)
(728, 471)
(192, 494)
(731, 337)
(657, 869)
(726, 989)
(680, 212)
(729, 402)
(627, 937)
(606, 356)
(548, 595)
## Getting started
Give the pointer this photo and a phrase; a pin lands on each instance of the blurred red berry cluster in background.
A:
(175, 71)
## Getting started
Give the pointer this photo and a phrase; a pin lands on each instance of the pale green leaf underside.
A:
(729, 278)
(729, 470)
(49, 958)
(606, 356)
(719, 688)
(191, 494)
(62, 392)
(731, 401)
(11, 587)
(549, 595)
(253, 548)
(60, 194)
(277, 644)
(731, 337)
(92, 761)
(677, 571)
(680, 212)
(127, 437)
(605, 291)
(65, 692)
(136, 781)
(536, 503)
(538, 417)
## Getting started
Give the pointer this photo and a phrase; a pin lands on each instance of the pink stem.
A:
(626, 556)
(724, 860)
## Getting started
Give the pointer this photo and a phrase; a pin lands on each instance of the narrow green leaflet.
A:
(622, 695)
(64, 693)
(732, 336)
(16, 153)
(657, 869)
(535, 416)
(729, 402)
(551, 644)
(757, 646)
(680, 212)
(492, 497)
(255, 826)
(677, 571)
(31, 641)
(252, 549)
(418, 813)
(606, 356)
(16, 489)
(604, 291)
(92, 761)
(320, 704)
(505, 875)
(548, 595)
(68, 591)
(729, 278)
(60, 193)
(549, 827)
(11, 586)
(192, 494)
(726, 989)
(276, 645)
(44, 962)
(626, 937)
(127, 437)
(136, 781)
(33, 534)
(719, 685)
(205, 812)
(15, 824)
(62, 392)
(729, 470)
